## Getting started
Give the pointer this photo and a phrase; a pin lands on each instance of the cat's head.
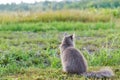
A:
(68, 39)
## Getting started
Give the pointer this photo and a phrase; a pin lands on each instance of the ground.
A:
(30, 50)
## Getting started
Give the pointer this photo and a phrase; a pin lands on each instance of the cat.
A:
(74, 62)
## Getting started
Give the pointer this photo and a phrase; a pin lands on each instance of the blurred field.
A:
(88, 15)
(29, 42)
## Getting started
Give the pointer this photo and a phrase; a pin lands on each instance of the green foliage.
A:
(104, 58)
(36, 44)
(65, 4)
(56, 26)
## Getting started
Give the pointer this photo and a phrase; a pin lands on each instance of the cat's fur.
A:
(74, 62)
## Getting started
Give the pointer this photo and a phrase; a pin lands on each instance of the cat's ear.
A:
(65, 34)
(72, 36)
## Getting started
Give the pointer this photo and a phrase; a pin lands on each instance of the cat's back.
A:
(73, 61)
(71, 52)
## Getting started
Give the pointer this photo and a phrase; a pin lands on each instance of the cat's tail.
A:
(102, 73)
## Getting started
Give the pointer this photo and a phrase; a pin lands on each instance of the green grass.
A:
(50, 74)
(56, 26)
(33, 48)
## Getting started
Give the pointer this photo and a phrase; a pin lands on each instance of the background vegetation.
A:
(65, 4)
(29, 41)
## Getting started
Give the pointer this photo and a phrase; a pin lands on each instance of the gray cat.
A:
(74, 62)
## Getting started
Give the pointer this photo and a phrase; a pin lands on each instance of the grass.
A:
(88, 15)
(30, 46)
(35, 45)
(55, 26)
(50, 73)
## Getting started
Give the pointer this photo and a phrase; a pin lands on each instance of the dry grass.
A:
(91, 15)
